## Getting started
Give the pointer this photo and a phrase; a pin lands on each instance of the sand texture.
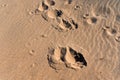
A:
(59, 39)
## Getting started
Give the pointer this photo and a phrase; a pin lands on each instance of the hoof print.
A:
(110, 31)
(49, 2)
(92, 20)
(66, 56)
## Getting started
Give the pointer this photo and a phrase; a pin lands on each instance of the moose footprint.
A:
(66, 56)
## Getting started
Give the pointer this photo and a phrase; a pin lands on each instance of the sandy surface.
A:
(59, 39)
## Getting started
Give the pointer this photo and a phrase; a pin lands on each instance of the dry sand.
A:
(59, 39)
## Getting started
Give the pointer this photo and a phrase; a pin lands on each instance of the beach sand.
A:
(60, 40)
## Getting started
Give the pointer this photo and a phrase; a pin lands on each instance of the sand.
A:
(59, 40)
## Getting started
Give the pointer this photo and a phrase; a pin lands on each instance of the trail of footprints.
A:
(109, 31)
(66, 56)
(63, 22)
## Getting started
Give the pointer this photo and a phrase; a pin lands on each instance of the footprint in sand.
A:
(42, 7)
(110, 31)
(92, 20)
(60, 20)
(66, 56)
(49, 2)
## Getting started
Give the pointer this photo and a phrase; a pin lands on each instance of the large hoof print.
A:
(66, 56)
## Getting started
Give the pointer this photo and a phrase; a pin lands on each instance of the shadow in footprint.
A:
(91, 20)
(94, 20)
(75, 24)
(59, 13)
(67, 24)
(45, 7)
(78, 57)
(63, 53)
(49, 2)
